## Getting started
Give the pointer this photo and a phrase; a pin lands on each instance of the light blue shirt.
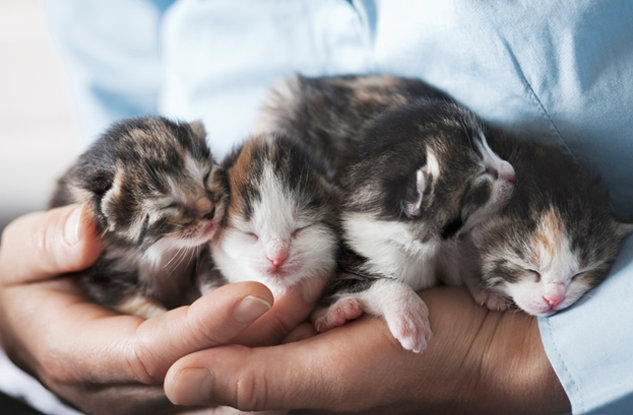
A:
(560, 72)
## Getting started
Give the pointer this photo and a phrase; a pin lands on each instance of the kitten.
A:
(425, 175)
(281, 223)
(151, 186)
(328, 114)
(555, 240)
(416, 172)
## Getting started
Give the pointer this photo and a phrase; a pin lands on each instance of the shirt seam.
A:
(535, 99)
(565, 368)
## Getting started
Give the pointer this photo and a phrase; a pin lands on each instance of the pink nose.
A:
(506, 172)
(554, 299)
(278, 258)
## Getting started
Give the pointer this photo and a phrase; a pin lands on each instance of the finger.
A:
(291, 309)
(91, 343)
(45, 244)
(301, 332)
(322, 371)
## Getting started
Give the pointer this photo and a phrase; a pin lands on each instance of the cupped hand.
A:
(98, 360)
(477, 362)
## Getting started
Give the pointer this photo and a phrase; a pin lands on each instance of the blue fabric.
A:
(560, 72)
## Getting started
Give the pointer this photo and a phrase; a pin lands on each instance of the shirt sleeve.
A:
(590, 345)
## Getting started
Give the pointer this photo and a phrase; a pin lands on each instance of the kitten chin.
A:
(154, 191)
(281, 224)
(556, 239)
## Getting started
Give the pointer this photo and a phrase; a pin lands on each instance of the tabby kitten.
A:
(556, 239)
(151, 186)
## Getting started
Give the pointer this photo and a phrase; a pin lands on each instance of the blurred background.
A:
(39, 136)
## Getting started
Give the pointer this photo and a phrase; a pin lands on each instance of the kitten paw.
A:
(411, 326)
(494, 301)
(338, 314)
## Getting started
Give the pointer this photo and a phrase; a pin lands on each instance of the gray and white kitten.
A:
(417, 172)
(555, 240)
(151, 185)
(282, 218)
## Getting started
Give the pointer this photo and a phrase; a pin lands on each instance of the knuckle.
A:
(251, 392)
(138, 358)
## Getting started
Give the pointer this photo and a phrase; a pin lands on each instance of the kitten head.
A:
(429, 168)
(281, 220)
(150, 182)
(556, 239)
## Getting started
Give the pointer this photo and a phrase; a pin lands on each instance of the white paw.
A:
(342, 311)
(410, 326)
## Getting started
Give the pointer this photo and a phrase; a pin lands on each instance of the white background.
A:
(39, 137)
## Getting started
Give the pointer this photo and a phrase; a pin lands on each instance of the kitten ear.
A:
(109, 202)
(412, 202)
(418, 185)
(197, 128)
(624, 228)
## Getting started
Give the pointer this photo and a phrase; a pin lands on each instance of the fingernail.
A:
(250, 309)
(191, 386)
(71, 230)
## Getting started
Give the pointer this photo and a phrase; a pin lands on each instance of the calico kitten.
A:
(555, 240)
(151, 186)
(328, 114)
(281, 222)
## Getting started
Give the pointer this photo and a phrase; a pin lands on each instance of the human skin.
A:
(477, 362)
(98, 360)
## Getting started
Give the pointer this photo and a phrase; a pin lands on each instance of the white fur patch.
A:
(400, 306)
(240, 252)
(392, 250)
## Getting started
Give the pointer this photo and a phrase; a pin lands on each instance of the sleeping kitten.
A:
(556, 239)
(281, 223)
(425, 175)
(150, 185)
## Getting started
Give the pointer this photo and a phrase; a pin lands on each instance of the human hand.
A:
(98, 360)
(477, 362)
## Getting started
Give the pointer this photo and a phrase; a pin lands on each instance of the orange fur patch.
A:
(239, 176)
(549, 232)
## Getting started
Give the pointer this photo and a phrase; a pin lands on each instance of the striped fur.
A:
(151, 185)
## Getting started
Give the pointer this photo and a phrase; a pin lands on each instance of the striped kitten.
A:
(281, 223)
(151, 186)
(556, 239)
(417, 172)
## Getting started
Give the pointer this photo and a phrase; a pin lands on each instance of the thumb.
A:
(41, 245)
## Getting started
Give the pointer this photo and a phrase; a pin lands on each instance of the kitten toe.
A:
(411, 327)
(338, 314)
(496, 302)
